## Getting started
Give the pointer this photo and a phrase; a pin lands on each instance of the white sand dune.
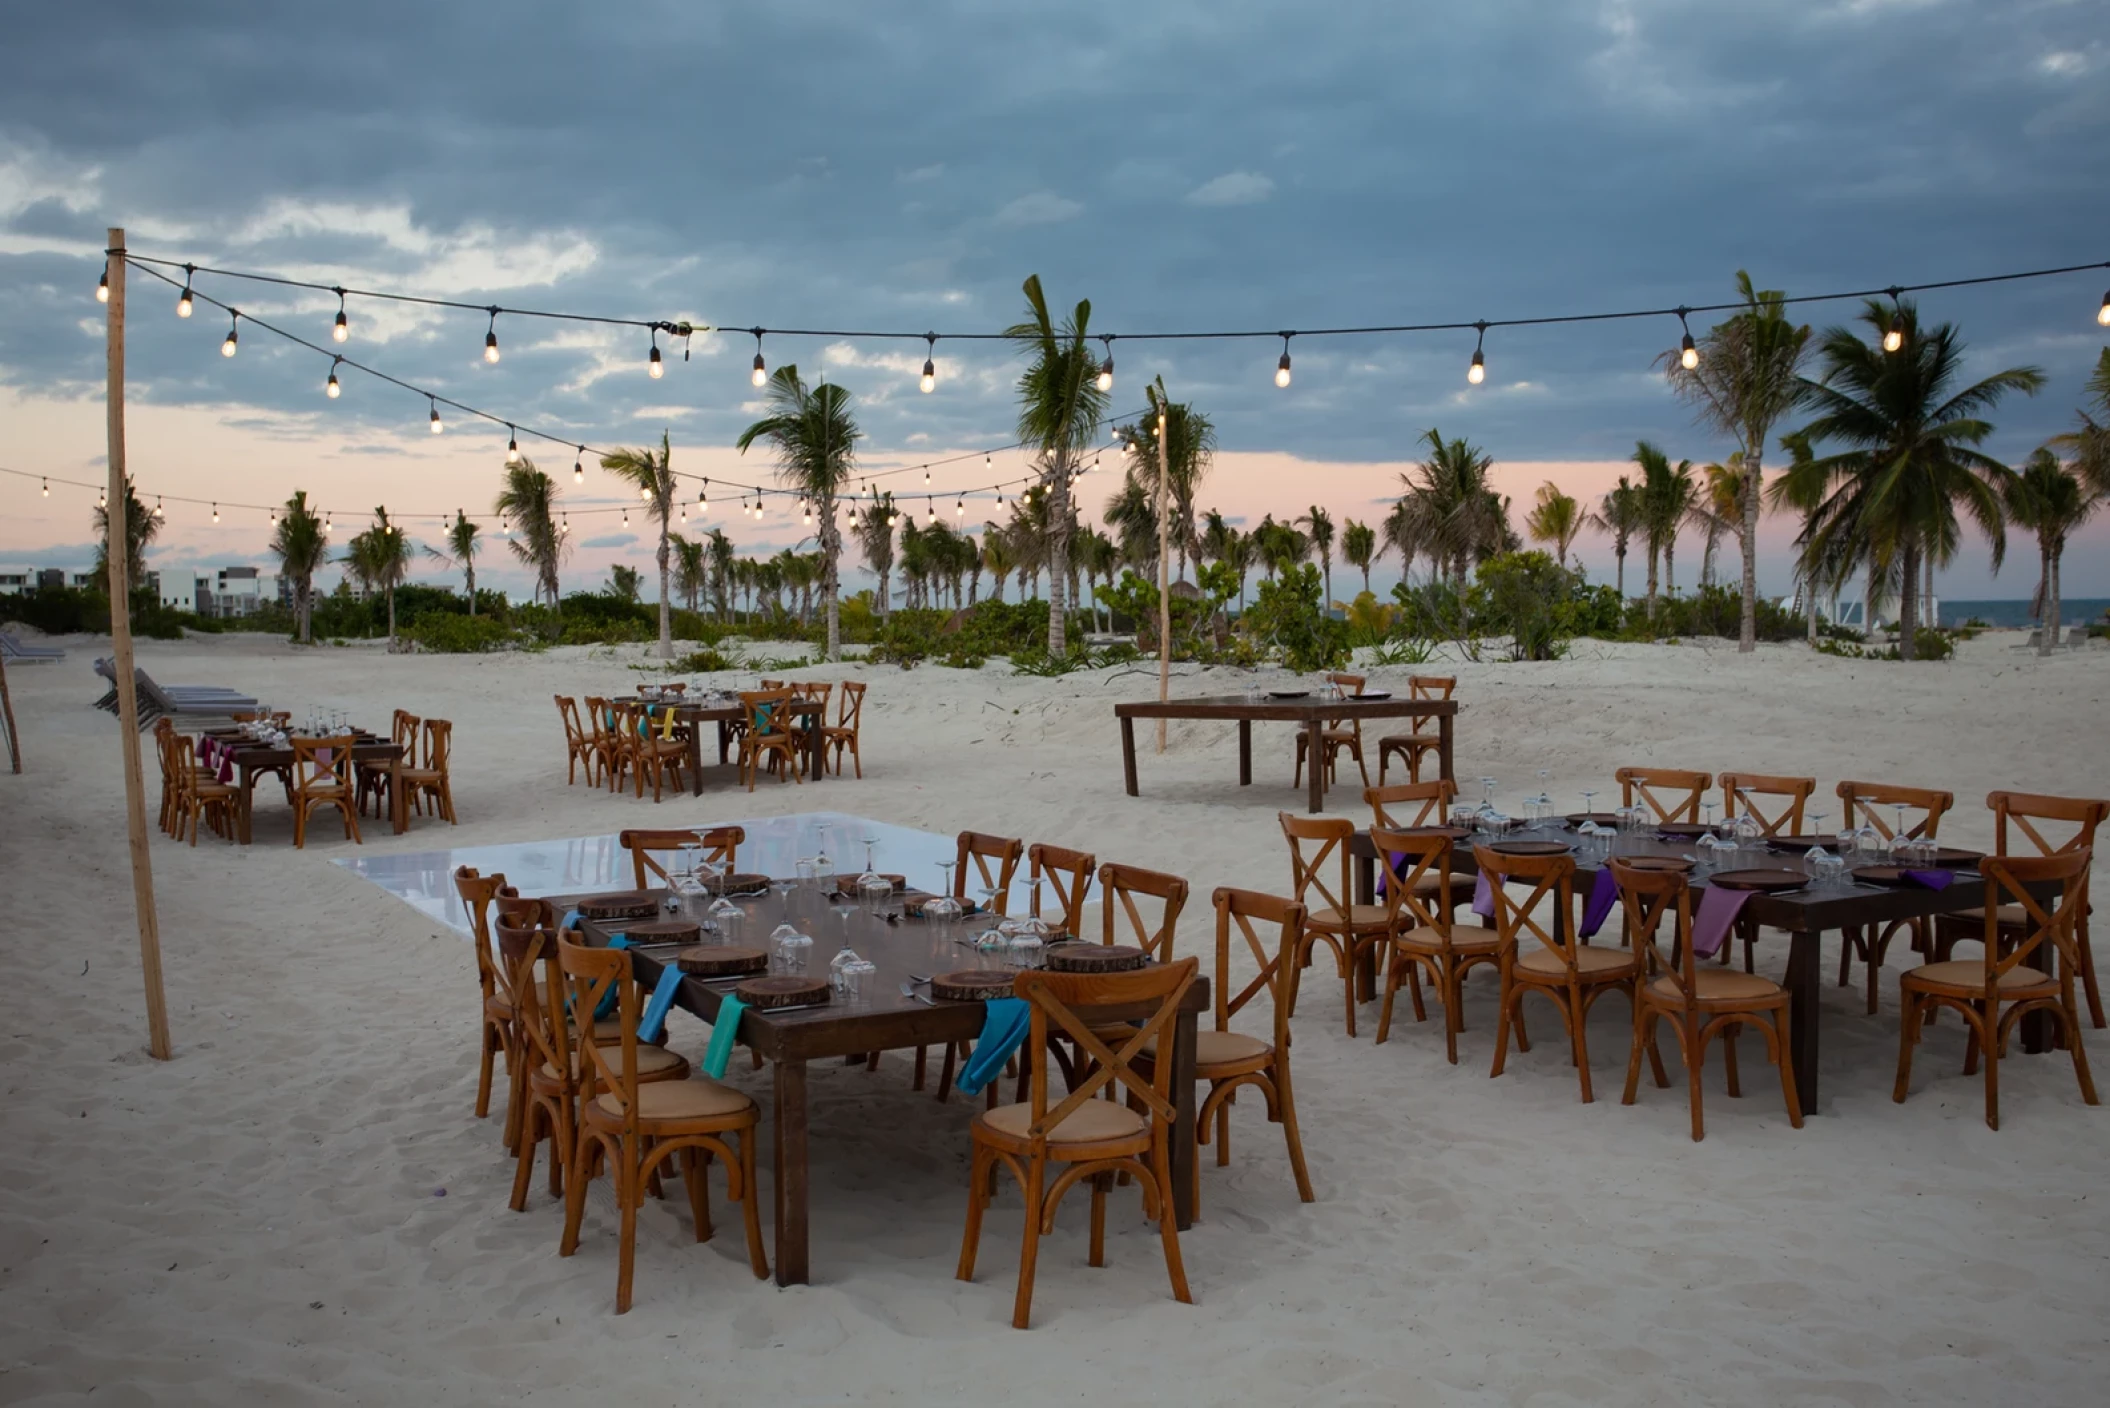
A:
(300, 1207)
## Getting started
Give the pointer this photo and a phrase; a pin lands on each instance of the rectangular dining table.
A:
(696, 713)
(1312, 712)
(1806, 915)
(882, 1019)
(252, 760)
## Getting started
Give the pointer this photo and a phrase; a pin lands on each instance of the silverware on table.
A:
(909, 990)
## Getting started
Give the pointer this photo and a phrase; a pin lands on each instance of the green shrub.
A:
(1710, 611)
(707, 661)
(452, 633)
(1530, 598)
(1287, 617)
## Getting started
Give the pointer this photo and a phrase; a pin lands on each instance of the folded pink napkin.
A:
(1717, 916)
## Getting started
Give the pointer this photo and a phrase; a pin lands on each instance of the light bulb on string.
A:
(330, 388)
(703, 498)
(1477, 372)
(2102, 314)
(340, 330)
(565, 526)
(234, 331)
(328, 523)
(929, 381)
(684, 513)
(805, 513)
(626, 518)
(930, 511)
(1282, 367)
(644, 494)
(1894, 335)
(183, 299)
(491, 339)
(102, 289)
(274, 518)
(761, 371)
(437, 424)
(578, 467)
(512, 446)
(893, 520)
(216, 513)
(758, 508)
(1688, 352)
(1106, 368)
(926, 476)
(654, 367)
(961, 511)
(47, 488)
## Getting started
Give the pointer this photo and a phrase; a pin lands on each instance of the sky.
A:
(828, 165)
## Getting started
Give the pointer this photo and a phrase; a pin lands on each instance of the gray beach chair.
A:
(16, 653)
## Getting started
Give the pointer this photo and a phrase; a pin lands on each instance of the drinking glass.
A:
(945, 888)
(727, 920)
(1589, 802)
(789, 950)
(1487, 794)
(1708, 807)
(1709, 852)
(1813, 864)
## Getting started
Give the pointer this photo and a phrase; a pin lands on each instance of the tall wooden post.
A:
(117, 547)
(1164, 563)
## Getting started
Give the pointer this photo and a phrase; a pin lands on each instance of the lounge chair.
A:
(16, 653)
(195, 694)
(2036, 638)
(2077, 638)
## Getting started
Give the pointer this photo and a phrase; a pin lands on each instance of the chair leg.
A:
(693, 1178)
(1581, 1043)
(1787, 1069)
(1908, 1037)
(1736, 1090)
(1096, 1256)
(1029, 1253)
(524, 1159)
(1508, 995)
(575, 1192)
(629, 1194)
(2087, 966)
(484, 1066)
(1992, 1065)
(1644, 1023)
(1694, 1057)
(1286, 1107)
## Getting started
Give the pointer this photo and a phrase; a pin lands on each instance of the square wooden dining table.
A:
(881, 1019)
(695, 713)
(253, 759)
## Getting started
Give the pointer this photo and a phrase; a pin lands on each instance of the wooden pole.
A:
(1164, 564)
(117, 548)
(7, 709)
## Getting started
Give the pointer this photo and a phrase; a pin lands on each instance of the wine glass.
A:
(1708, 807)
(1544, 804)
(1487, 795)
(1817, 823)
(1589, 802)
(727, 919)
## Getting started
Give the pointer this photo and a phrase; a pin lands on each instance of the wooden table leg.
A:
(791, 1172)
(1128, 753)
(1245, 752)
(813, 744)
(725, 742)
(696, 756)
(248, 804)
(398, 799)
(1443, 746)
(1805, 983)
(1185, 1166)
(1315, 762)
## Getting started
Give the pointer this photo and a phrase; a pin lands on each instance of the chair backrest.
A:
(772, 684)
(1068, 874)
(1430, 801)
(720, 843)
(2025, 809)
(1431, 686)
(852, 706)
(403, 729)
(677, 688)
(322, 761)
(764, 713)
(599, 718)
(983, 848)
(144, 688)
(1122, 883)
(477, 891)
(1549, 877)
(1329, 835)
(1870, 798)
(1055, 998)
(2007, 882)
(1740, 797)
(817, 691)
(1647, 898)
(1275, 964)
(1680, 791)
(1350, 686)
(439, 744)
(590, 974)
(183, 753)
(574, 732)
(1410, 858)
(530, 976)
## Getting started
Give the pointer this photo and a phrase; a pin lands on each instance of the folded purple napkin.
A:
(1717, 916)
(1932, 879)
(1604, 893)
(1483, 898)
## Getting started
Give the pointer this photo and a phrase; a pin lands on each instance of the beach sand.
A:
(300, 1208)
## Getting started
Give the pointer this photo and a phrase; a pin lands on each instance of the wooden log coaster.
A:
(714, 961)
(1798, 845)
(1674, 864)
(972, 985)
(663, 931)
(1683, 830)
(1531, 848)
(847, 884)
(1095, 958)
(1770, 882)
(766, 994)
(737, 885)
(630, 904)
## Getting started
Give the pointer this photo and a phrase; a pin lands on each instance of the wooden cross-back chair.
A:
(1425, 736)
(1336, 735)
(433, 778)
(996, 861)
(495, 1029)
(1682, 791)
(322, 777)
(769, 734)
(1404, 805)
(1420, 935)
(1546, 955)
(2011, 978)
(631, 1127)
(1068, 875)
(578, 745)
(720, 845)
(1701, 1002)
(1093, 1139)
(171, 775)
(652, 744)
(199, 795)
(2025, 811)
(1774, 802)
(1350, 930)
(1875, 804)
(601, 740)
(373, 777)
(843, 733)
(1118, 887)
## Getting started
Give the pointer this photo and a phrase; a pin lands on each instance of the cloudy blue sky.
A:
(904, 167)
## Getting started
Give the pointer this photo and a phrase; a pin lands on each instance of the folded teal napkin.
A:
(610, 998)
(655, 1018)
(724, 1028)
(1005, 1022)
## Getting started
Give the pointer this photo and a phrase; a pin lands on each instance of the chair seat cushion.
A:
(1090, 1123)
(1590, 962)
(416, 775)
(699, 1098)
(651, 1061)
(1360, 916)
(1409, 740)
(1429, 884)
(1970, 973)
(1463, 940)
(2013, 914)
(1718, 985)
(1221, 1049)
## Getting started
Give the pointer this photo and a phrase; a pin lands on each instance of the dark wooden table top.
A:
(1301, 710)
(731, 709)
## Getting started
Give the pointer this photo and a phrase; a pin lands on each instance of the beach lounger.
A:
(174, 701)
(17, 653)
(2077, 638)
(2036, 638)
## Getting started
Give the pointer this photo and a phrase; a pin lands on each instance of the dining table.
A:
(250, 759)
(1310, 710)
(693, 714)
(1805, 914)
(906, 950)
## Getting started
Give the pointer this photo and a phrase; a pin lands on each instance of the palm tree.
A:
(2090, 443)
(1190, 448)
(1718, 509)
(1319, 525)
(1278, 545)
(528, 502)
(1747, 377)
(1452, 511)
(301, 548)
(1132, 515)
(624, 581)
(874, 529)
(651, 473)
(815, 439)
(1555, 518)
(1100, 556)
(1358, 547)
(692, 569)
(1060, 407)
(142, 526)
(998, 557)
(720, 549)
(461, 548)
(380, 558)
(2051, 500)
(1619, 513)
(1667, 496)
(1911, 459)
(1397, 534)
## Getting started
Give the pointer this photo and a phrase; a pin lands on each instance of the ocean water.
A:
(2073, 611)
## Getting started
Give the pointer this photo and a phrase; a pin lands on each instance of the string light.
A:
(330, 388)
(328, 523)
(654, 367)
(684, 513)
(47, 488)
(1477, 372)
(2102, 314)
(437, 424)
(703, 499)
(491, 339)
(926, 476)
(626, 518)
(761, 371)
(1106, 368)
(565, 526)
(274, 518)
(102, 289)
(1282, 367)
(805, 512)
(183, 300)
(578, 467)
(929, 383)
(1688, 354)
(961, 512)
(1894, 335)
(216, 513)
(893, 520)
(159, 512)
(234, 330)
(512, 447)
(340, 330)
(930, 509)
(758, 508)
(644, 493)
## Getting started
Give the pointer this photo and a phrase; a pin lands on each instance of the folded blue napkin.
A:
(724, 1028)
(1604, 891)
(569, 922)
(1005, 1023)
(610, 998)
(655, 1018)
